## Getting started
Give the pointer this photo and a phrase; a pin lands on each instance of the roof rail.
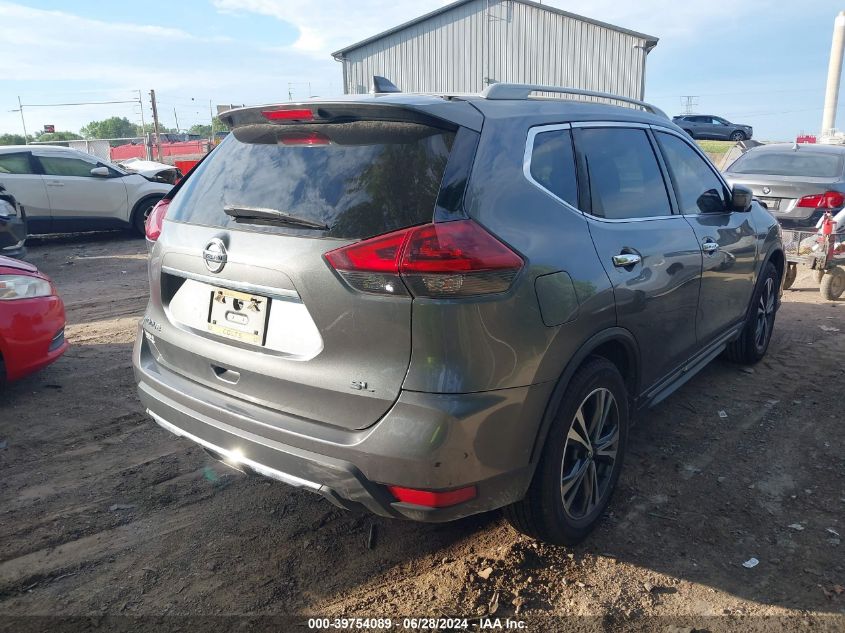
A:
(521, 91)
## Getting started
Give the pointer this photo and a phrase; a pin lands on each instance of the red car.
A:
(32, 320)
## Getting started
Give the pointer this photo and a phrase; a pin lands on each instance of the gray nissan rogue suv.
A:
(434, 306)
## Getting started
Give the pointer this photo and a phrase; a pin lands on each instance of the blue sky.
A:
(760, 62)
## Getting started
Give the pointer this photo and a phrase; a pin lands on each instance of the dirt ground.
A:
(105, 515)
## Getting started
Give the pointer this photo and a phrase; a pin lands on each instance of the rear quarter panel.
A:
(502, 341)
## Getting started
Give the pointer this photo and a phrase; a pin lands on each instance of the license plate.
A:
(238, 315)
(771, 203)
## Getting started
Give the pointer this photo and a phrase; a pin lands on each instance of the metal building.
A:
(469, 44)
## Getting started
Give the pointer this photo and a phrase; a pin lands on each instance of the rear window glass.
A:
(553, 164)
(360, 179)
(789, 163)
(15, 164)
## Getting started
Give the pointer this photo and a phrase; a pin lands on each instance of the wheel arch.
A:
(777, 257)
(615, 344)
(140, 203)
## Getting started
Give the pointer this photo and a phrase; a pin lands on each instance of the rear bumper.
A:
(425, 441)
(799, 218)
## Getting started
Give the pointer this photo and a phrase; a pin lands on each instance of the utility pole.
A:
(147, 155)
(23, 123)
(155, 122)
(177, 119)
(211, 117)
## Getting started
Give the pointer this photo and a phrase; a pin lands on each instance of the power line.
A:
(739, 94)
(81, 103)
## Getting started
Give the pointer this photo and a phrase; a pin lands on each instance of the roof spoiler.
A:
(382, 85)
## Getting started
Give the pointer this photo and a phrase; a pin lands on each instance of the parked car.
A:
(32, 320)
(431, 306)
(705, 126)
(13, 229)
(797, 183)
(64, 189)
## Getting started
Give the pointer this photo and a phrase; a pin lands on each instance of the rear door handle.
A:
(55, 183)
(624, 260)
(709, 246)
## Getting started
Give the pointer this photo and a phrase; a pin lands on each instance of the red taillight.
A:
(827, 200)
(450, 247)
(446, 259)
(378, 255)
(288, 115)
(433, 499)
(156, 219)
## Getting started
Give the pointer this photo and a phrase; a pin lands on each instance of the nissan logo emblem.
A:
(767, 190)
(214, 255)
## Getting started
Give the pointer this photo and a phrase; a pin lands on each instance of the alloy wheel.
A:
(589, 455)
(147, 210)
(765, 314)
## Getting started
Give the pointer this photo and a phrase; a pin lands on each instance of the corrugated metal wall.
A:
(460, 49)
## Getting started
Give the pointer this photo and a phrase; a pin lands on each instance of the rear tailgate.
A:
(249, 306)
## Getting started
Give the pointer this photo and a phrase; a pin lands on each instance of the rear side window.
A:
(63, 166)
(360, 178)
(15, 164)
(698, 189)
(789, 163)
(625, 179)
(553, 164)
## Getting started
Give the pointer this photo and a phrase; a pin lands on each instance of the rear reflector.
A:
(827, 200)
(288, 115)
(432, 499)
(155, 220)
(442, 260)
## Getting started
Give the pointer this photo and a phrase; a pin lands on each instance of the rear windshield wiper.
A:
(263, 215)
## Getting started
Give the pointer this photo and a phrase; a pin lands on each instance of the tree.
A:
(57, 136)
(149, 128)
(113, 127)
(13, 139)
(202, 130)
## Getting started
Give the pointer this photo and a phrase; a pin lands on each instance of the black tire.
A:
(833, 284)
(791, 274)
(738, 136)
(141, 211)
(753, 342)
(567, 517)
(691, 135)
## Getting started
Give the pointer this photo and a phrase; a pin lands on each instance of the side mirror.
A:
(101, 172)
(741, 198)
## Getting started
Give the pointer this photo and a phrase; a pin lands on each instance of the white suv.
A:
(64, 190)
